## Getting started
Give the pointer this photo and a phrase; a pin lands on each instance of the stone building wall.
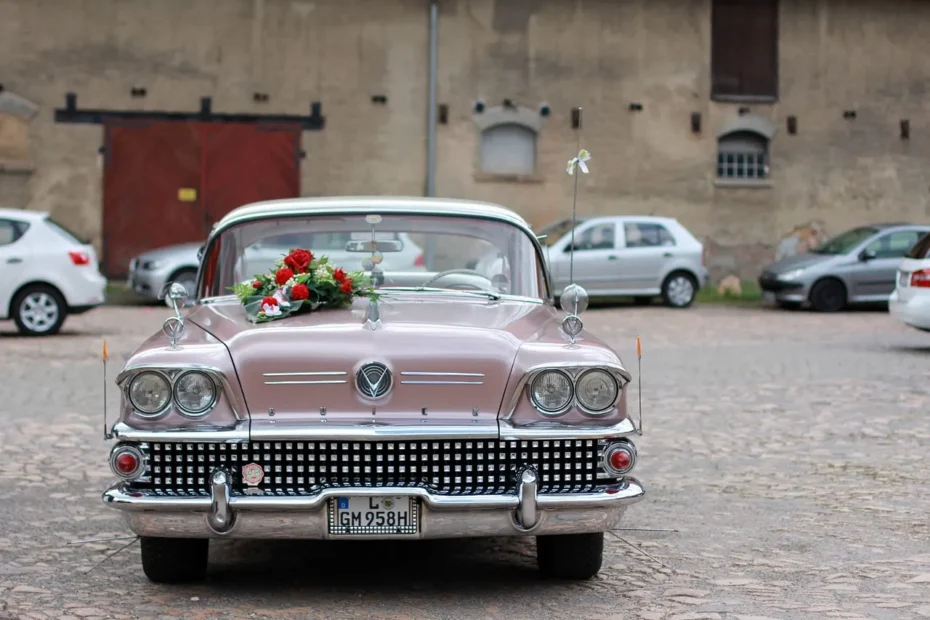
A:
(603, 55)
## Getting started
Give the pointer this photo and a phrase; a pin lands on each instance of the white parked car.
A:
(151, 272)
(910, 301)
(625, 255)
(46, 272)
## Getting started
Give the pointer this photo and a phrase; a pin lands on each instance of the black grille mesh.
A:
(461, 467)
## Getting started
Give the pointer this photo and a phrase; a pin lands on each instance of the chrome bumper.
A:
(222, 515)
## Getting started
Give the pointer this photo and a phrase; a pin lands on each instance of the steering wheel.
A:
(449, 272)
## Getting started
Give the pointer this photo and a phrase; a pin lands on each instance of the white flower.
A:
(291, 282)
(279, 263)
(282, 299)
(271, 309)
(323, 272)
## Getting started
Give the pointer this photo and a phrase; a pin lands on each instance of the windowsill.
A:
(493, 177)
(744, 98)
(17, 166)
(744, 183)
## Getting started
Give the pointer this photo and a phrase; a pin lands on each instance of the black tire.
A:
(25, 310)
(788, 305)
(174, 560)
(828, 295)
(670, 289)
(570, 556)
(642, 301)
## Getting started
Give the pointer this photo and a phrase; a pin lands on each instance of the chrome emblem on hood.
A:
(373, 380)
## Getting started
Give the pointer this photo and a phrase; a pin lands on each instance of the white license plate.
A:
(373, 515)
(768, 296)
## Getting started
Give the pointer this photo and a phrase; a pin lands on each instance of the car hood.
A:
(294, 369)
(183, 250)
(798, 261)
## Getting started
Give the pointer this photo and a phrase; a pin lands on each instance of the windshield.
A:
(469, 254)
(556, 231)
(841, 244)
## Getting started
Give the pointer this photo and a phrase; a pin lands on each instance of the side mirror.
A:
(177, 297)
(867, 255)
(200, 252)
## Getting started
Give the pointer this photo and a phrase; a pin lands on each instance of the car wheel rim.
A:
(39, 312)
(680, 291)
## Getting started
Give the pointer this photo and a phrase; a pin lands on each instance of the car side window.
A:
(647, 235)
(11, 231)
(597, 237)
(894, 245)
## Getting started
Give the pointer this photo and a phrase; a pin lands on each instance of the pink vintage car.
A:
(312, 400)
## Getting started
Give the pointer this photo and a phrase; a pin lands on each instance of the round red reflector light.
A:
(126, 463)
(620, 459)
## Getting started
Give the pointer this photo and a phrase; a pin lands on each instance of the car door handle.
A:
(13, 261)
(611, 257)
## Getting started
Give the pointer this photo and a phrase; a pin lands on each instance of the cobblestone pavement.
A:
(788, 451)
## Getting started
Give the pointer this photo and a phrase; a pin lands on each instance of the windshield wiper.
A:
(430, 289)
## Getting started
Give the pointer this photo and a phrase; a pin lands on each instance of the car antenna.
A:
(106, 431)
(639, 380)
(574, 298)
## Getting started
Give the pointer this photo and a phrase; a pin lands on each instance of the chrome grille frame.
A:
(450, 467)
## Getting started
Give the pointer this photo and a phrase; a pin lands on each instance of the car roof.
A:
(885, 225)
(23, 214)
(359, 204)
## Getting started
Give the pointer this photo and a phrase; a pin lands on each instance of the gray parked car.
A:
(152, 271)
(858, 266)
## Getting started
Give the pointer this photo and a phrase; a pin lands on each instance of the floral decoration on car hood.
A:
(300, 282)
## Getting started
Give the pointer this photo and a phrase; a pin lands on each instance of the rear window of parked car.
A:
(11, 230)
(921, 249)
(643, 235)
(66, 234)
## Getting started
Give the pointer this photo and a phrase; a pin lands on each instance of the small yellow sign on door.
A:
(187, 194)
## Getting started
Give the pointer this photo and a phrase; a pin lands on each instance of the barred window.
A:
(742, 155)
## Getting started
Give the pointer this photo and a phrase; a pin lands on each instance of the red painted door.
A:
(148, 163)
(145, 165)
(245, 163)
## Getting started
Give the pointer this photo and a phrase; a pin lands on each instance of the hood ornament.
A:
(574, 299)
(373, 315)
(173, 326)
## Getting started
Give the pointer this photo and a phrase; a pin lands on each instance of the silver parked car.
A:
(625, 255)
(857, 266)
(152, 271)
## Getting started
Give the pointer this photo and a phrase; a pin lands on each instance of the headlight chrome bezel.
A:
(142, 413)
(613, 400)
(177, 401)
(559, 410)
(574, 372)
(172, 375)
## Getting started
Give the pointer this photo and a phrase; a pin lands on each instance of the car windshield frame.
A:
(225, 246)
(847, 241)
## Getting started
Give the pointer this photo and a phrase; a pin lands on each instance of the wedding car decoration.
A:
(301, 282)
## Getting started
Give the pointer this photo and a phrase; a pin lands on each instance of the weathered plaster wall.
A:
(869, 56)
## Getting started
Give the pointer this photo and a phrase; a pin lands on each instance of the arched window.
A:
(742, 155)
(508, 148)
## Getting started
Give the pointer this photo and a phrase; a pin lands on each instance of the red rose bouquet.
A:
(300, 282)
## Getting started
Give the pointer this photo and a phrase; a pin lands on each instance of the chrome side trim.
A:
(365, 432)
(204, 434)
(443, 382)
(320, 382)
(441, 374)
(549, 429)
(173, 371)
(574, 370)
(324, 373)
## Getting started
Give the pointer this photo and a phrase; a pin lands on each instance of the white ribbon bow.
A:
(578, 162)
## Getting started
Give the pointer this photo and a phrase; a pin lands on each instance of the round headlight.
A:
(194, 392)
(552, 392)
(596, 390)
(149, 392)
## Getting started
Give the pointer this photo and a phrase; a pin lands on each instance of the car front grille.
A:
(466, 467)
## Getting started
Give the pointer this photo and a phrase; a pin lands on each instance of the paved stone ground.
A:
(788, 451)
